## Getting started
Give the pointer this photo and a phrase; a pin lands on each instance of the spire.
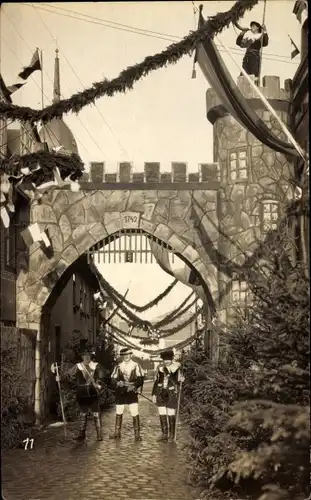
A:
(56, 90)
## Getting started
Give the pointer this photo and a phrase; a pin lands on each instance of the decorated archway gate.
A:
(129, 246)
(171, 214)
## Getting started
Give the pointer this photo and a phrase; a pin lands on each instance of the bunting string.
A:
(124, 342)
(131, 75)
(161, 334)
(113, 293)
(169, 318)
(177, 313)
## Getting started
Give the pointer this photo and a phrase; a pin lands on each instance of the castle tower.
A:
(253, 178)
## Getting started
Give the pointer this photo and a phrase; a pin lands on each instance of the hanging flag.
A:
(295, 51)
(218, 76)
(4, 90)
(34, 65)
(14, 88)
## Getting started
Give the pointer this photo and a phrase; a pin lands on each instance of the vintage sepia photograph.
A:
(154, 242)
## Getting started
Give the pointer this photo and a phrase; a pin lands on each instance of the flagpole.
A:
(42, 91)
(267, 104)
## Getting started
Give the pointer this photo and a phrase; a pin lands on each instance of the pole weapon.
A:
(54, 370)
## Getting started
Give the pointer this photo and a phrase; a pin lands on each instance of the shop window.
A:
(238, 166)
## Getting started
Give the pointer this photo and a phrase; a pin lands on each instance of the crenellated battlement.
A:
(178, 173)
(271, 89)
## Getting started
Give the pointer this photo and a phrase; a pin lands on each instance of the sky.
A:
(163, 118)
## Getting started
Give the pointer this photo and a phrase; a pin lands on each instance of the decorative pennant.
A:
(34, 234)
(5, 217)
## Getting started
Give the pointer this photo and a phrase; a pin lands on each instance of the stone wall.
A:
(77, 221)
(253, 177)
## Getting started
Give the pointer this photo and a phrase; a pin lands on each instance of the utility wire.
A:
(48, 130)
(140, 31)
(79, 79)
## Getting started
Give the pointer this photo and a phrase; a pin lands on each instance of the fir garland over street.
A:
(169, 318)
(113, 293)
(129, 76)
(124, 342)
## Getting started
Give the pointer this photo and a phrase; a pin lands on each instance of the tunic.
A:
(87, 394)
(131, 373)
(165, 386)
(253, 43)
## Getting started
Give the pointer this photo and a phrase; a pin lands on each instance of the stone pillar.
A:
(253, 177)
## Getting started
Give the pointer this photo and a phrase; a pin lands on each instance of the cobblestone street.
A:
(55, 469)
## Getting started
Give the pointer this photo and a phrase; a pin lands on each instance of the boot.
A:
(117, 432)
(172, 426)
(98, 427)
(136, 425)
(83, 424)
(164, 428)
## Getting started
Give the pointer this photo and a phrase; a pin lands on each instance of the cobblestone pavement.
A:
(57, 469)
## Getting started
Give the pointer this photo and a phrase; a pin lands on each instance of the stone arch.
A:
(35, 293)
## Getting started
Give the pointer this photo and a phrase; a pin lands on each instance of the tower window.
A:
(238, 165)
(270, 215)
(239, 291)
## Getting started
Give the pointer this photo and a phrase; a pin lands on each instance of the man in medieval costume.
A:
(128, 379)
(89, 377)
(165, 393)
(253, 40)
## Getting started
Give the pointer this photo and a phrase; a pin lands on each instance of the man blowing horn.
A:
(253, 40)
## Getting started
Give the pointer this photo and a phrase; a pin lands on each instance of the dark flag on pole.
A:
(7, 91)
(33, 66)
(15, 87)
(295, 51)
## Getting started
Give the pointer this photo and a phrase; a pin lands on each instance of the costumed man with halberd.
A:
(128, 378)
(253, 40)
(89, 377)
(165, 393)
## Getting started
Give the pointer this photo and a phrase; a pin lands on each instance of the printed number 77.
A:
(27, 443)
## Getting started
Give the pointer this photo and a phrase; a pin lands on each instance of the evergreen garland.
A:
(69, 165)
(145, 325)
(114, 312)
(173, 315)
(114, 294)
(180, 326)
(177, 313)
(124, 342)
(128, 77)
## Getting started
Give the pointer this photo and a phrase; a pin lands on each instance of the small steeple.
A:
(56, 90)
